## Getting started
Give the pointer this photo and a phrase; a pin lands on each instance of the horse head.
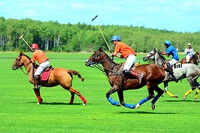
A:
(154, 56)
(149, 56)
(97, 57)
(18, 62)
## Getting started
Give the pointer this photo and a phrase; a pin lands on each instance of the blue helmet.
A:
(167, 42)
(115, 38)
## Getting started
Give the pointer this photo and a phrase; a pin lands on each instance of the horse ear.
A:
(21, 53)
(100, 49)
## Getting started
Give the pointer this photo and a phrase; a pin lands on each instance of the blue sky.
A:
(175, 15)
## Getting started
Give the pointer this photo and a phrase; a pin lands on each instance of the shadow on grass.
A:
(146, 112)
(180, 101)
(56, 103)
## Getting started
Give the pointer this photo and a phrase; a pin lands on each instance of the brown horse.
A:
(194, 59)
(58, 76)
(153, 75)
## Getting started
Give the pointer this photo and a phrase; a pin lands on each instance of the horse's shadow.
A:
(56, 103)
(146, 112)
(180, 101)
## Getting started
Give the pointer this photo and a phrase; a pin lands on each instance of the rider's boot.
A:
(37, 80)
(135, 74)
(171, 72)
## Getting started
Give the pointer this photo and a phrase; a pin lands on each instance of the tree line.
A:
(53, 36)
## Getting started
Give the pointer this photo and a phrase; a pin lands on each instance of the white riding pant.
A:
(130, 60)
(188, 57)
(41, 68)
(172, 62)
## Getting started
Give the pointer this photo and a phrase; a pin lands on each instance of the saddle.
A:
(178, 65)
(45, 74)
(132, 67)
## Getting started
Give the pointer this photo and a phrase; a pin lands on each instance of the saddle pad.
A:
(133, 67)
(45, 74)
(178, 65)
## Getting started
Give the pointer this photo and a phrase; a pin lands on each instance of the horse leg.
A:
(187, 93)
(197, 92)
(37, 93)
(150, 96)
(73, 91)
(72, 98)
(193, 84)
(121, 99)
(167, 92)
(113, 102)
(121, 96)
(160, 92)
(196, 95)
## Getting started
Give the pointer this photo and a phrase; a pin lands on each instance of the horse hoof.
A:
(175, 96)
(153, 106)
(137, 106)
(184, 97)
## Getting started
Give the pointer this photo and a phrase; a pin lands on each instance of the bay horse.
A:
(153, 75)
(194, 59)
(189, 71)
(58, 76)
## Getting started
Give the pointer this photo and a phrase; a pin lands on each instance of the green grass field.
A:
(20, 112)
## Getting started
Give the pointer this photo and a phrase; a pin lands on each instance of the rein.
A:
(28, 70)
(103, 68)
(155, 60)
(24, 65)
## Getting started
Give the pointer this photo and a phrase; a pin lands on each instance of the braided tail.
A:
(73, 72)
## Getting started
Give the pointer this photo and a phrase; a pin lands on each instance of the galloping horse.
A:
(153, 75)
(189, 71)
(194, 59)
(58, 76)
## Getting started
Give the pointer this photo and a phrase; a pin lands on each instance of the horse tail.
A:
(73, 72)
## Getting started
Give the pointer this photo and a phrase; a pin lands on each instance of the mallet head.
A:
(21, 36)
(94, 17)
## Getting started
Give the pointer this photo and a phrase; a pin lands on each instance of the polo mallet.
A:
(101, 32)
(22, 37)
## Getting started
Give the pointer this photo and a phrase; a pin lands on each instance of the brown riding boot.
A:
(137, 75)
(37, 80)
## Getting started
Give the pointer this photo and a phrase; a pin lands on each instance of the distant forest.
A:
(81, 37)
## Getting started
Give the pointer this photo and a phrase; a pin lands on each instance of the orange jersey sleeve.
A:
(39, 56)
(124, 49)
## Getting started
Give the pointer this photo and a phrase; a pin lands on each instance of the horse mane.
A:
(161, 56)
(22, 53)
(34, 64)
(196, 53)
(108, 57)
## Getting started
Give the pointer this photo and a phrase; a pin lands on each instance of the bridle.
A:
(97, 65)
(18, 60)
(155, 60)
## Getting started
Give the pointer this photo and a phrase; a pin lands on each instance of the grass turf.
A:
(19, 111)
